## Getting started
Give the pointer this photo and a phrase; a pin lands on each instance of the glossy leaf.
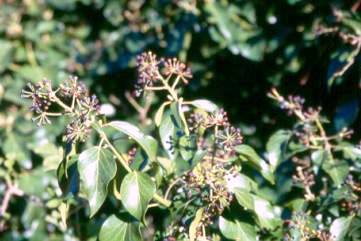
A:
(159, 114)
(168, 134)
(339, 228)
(276, 147)
(136, 190)
(237, 230)
(204, 105)
(249, 154)
(194, 225)
(148, 143)
(265, 213)
(97, 168)
(115, 229)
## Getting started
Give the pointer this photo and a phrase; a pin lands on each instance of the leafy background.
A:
(237, 50)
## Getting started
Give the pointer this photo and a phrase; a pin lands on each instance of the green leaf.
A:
(187, 147)
(237, 230)
(194, 225)
(51, 154)
(115, 229)
(336, 169)
(136, 190)
(97, 168)
(248, 153)
(339, 228)
(266, 213)
(159, 115)
(168, 135)
(244, 198)
(350, 151)
(263, 209)
(35, 182)
(148, 143)
(276, 147)
(204, 105)
(32, 73)
(5, 54)
(14, 149)
(240, 181)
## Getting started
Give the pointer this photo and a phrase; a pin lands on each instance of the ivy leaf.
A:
(194, 224)
(276, 147)
(148, 143)
(236, 230)
(97, 168)
(248, 153)
(115, 229)
(260, 207)
(339, 228)
(168, 134)
(204, 105)
(336, 170)
(136, 190)
(159, 115)
(14, 149)
(5, 54)
(52, 155)
(187, 147)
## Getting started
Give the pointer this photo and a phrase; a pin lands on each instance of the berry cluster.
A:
(156, 74)
(302, 225)
(72, 98)
(304, 175)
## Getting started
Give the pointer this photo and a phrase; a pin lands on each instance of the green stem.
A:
(162, 200)
(124, 163)
(115, 152)
(170, 90)
(61, 103)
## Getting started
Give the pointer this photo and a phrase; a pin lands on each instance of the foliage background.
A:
(237, 50)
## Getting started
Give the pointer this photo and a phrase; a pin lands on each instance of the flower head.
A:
(148, 70)
(71, 87)
(175, 67)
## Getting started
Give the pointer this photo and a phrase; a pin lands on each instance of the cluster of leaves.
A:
(235, 47)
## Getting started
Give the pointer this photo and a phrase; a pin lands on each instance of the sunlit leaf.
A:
(97, 168)
(115, 229)
(136, 190)
(148, 143)
(237, 230)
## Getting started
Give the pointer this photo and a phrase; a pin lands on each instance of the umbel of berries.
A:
(70, 99)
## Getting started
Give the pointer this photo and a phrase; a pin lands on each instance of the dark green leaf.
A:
(97, 168)
(248, 153)
(148, 143)
(276, 147)
(115, 229)
(237, 230)
(136, 190)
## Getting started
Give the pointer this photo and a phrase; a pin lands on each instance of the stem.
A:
(124, 163)
(61, 103)
(175, 83)
(53, 114)
(122, 160)
(162, 200)
(324, 136)
(171, 186)
(180, 102)
(155, 88)
(166, 86)
(12, 190)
